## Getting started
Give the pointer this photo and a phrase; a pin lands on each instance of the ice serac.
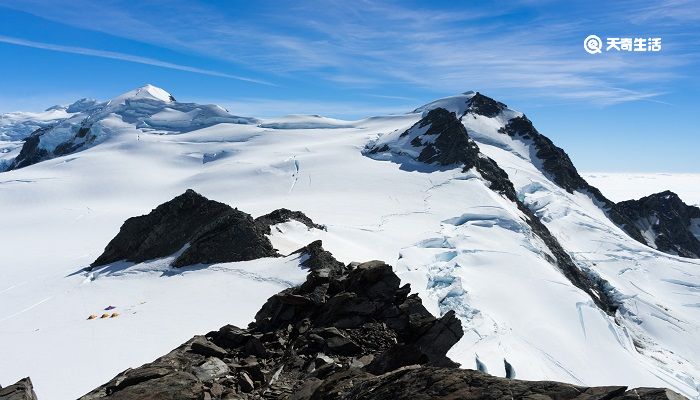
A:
(86, 123)
(670, 225)
(202, 230)
(348, 332)
(441, 140)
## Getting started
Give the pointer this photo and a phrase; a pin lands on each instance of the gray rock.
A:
(210, 369)
(245, 382)
(22, 390)
(201, 345)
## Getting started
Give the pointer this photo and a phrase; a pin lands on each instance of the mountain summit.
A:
(148, 92)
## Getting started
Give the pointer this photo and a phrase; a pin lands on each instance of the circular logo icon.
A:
(592, 44)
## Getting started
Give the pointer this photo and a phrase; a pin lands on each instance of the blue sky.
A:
(611, 112)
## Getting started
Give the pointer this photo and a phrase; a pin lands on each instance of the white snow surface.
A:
(460, 245)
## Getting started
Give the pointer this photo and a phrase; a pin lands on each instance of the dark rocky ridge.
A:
(558, 166)
(205, 231)
(283, 215)
(348, 332)
(669, 218)
(454, 146)
(30, 152)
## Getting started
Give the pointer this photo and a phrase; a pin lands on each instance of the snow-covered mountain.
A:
(473, 207)
(87, 123)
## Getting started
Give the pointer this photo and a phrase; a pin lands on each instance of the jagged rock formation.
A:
(348, 332)
(203, 230)
(440, 138)
(284, 215)
(558, 166)
(445, 141)
(22, 390)
(671, 225)
(483, 105)
(341, 318)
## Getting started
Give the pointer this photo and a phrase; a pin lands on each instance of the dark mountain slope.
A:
(202, 230)
(674, 225)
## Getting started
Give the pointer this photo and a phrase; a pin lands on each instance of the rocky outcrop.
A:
(284, 215)
(348, 332)
(202, 230)
(424, 383)
(354, 317)
(22, 390)
(30, 153)
(485, 106)
(445, 141)
(557, 165)
(673, 225)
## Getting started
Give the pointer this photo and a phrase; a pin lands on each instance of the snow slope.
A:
(459, 244)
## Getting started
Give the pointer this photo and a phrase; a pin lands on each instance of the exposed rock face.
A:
(673, 225)
(483, 105)
(212, 231)
(284, 215)
(449, 143)
(445, 141)
(22, 390)
(348, 332)
(30, 153)
(558, 166)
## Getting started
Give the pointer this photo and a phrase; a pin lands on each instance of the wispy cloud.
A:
(124, 57)
(380, 45)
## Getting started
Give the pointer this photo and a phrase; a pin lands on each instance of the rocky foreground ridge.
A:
(348, 332)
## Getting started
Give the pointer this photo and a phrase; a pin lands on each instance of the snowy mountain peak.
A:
(456, 104)
(87, 123)
(147, 92)
(467, 102)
